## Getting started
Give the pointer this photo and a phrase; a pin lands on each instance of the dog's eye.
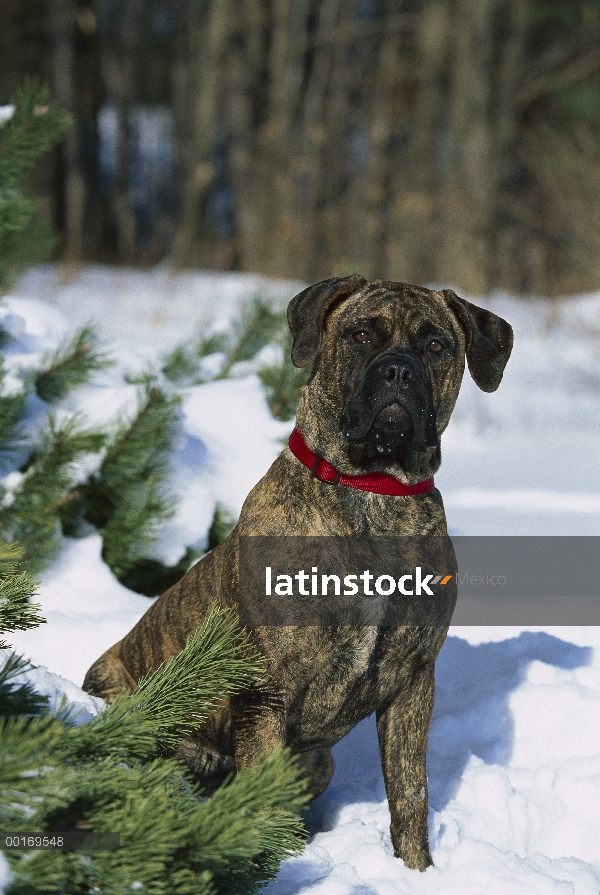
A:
(435, 346)
(361, 336)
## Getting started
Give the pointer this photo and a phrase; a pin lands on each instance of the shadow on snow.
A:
(471, 717)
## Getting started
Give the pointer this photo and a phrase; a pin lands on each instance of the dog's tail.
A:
(108, 676)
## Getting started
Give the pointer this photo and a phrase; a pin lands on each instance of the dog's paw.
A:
(412, 849)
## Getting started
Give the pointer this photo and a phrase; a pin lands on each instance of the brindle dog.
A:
(385, 380)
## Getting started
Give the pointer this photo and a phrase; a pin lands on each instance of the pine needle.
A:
(283, 383)
(33, 516)
(183, 365)
(222, 525)
(258, 326)
(34, 127)
(12, 408)
(16, 590)
(174, 700)
(129, 488)
(18, 698)
(71, 365)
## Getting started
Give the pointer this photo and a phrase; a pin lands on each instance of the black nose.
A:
(400, 371)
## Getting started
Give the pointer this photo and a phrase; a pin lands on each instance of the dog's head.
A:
(387, 374)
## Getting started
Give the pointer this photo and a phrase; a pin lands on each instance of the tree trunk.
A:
(412, 243)
(509, 237)
(468, 193)
(377, 176)
(62, 30)
(246, 62)
(118, 67)
(209, 39)
(332, 246)
(313, 133)
(273, 195)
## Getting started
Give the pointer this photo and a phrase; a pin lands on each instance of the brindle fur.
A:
(323, 680)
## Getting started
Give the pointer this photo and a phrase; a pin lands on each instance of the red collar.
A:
(376, 482)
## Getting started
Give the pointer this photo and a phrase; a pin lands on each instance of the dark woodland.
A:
(429, 141)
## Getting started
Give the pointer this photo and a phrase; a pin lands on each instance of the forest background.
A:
(430, 141)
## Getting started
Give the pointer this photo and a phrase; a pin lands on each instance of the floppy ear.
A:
(306, 314)
(489, 341)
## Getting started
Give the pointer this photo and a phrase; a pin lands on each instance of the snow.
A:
(514, 750)
(6, 113)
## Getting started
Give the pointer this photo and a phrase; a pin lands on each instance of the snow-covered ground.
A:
(514, 751)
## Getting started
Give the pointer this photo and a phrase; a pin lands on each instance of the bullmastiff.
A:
(387, 363)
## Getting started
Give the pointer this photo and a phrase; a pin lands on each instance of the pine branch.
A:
(16, 590)
(152, 578)
(15, 211)
(5, 339)
(180, 366)
(32, 517)
(18, 698)
(102, 776)
(214, 343)
(71, 365)
(12, 409)
(153, 813)
(248, 826)
(184, 363)
(34, 127)
(258, 326)
(168, 704)
(16, 613)
(26, 766)
(135, 524)
(283, 384)
(22, 248)
(155, 415)
(62, 445)
(127, 500)
(221, 526)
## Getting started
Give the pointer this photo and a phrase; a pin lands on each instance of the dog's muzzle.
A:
(391, 404)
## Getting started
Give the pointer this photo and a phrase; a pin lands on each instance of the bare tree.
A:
(416, 206)
(62, 26)
(418, 142)
(209, 38)
(468, 189)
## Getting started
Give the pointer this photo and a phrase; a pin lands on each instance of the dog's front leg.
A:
(258, 725)
(402, 729)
